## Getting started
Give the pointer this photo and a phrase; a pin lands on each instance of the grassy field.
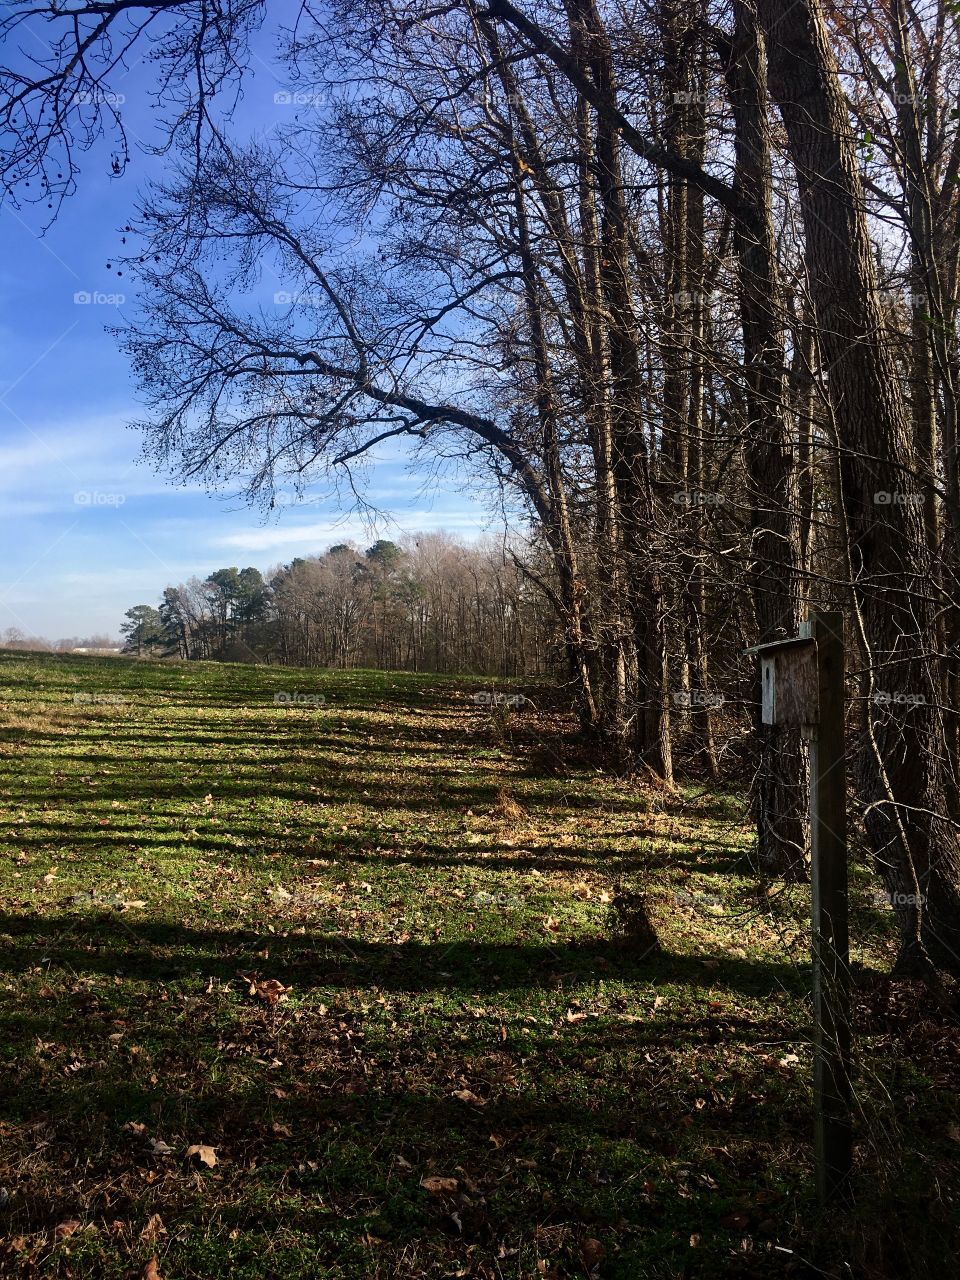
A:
(314, 974)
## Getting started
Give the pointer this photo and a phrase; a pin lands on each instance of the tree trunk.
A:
(899, 768)
(780, 792)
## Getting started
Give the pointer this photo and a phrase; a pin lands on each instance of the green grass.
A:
(431, 881)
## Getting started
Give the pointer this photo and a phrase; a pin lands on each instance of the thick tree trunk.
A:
(899, 769)
(780, 791)
(930, 215)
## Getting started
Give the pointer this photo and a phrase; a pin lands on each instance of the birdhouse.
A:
(790, 684)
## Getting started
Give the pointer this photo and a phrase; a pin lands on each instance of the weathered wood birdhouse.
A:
(790, 683)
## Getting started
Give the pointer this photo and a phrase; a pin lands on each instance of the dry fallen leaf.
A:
(466, 1096)
(440, 1186)
(592, 1252)
(150, 1271)
(202, 1154)
(271, 990)
(268, 989)
(153, 1228)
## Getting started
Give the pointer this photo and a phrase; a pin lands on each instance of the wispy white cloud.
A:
(92, 530)
(318, 536)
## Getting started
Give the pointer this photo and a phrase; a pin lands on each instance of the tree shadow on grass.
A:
(167, 950)
(362, 847)
(345, 1153)
(326, 1120)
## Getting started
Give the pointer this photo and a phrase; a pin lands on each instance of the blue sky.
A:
(87, 529)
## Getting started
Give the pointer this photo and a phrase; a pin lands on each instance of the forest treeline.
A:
(431, 603)
(17, 638)
(675, 283)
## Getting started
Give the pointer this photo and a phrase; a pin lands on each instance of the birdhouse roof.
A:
(776, 646)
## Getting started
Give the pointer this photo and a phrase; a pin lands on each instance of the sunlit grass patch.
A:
(369, 956)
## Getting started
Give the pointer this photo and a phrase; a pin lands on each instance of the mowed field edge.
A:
(349, 974)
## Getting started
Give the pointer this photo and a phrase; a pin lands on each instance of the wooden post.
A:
(831, 955)
(802, 687)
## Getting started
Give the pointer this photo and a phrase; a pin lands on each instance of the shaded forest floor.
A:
(449, 1054)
